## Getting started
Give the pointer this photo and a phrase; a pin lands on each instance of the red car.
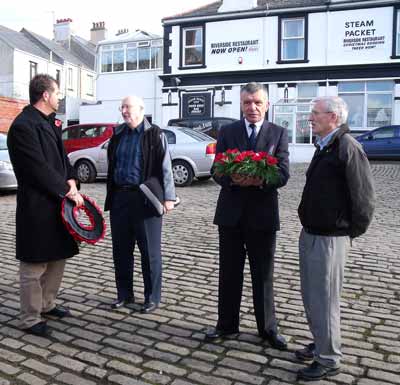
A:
(82, 136)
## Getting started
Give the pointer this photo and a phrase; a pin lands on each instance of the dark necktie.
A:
(253, 136)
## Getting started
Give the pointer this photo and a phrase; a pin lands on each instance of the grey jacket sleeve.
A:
(168, 179)
(360, 183)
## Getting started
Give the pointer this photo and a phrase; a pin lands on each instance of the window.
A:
(384, 133)
(192, 46)
(171, 138)
(106, 59)
(370, 103)
(142, 55)
(70, 79)
(58, 77)
(292, 39)
(32, 70)
(396, 33)
(90, 85)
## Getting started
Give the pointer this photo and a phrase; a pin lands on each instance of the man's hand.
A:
(168, 206)
(73, 193)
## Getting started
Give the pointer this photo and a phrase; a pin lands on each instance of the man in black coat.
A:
(44, 176)
(247, 217)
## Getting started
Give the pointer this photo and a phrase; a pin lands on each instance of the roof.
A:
(212, 9)
(137, 35)
(60, 53)
(19, 41)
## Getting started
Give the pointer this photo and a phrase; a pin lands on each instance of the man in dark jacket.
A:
(247, 216)
(44, 176)
(337, 205)
(137, 152)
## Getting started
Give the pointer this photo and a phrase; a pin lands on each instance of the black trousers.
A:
(234, 244)
(129, 226)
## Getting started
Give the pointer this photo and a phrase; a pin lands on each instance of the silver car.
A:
(192, 156)
(7, 176)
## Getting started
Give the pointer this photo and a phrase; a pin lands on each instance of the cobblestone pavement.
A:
(99, 346)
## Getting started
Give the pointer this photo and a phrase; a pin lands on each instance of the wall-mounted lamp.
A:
(169, 97)
(286, 93)
(177, 81)
(222, 101)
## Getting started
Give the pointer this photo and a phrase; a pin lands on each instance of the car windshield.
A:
(195, 135)
(3, 142)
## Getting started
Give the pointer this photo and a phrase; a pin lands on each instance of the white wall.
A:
(327, 32)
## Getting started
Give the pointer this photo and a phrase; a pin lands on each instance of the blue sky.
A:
(38, 16)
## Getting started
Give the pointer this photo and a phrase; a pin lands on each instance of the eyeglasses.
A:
(316, 113)
(125, 107)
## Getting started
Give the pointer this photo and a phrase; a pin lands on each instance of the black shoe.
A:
(316, 372)
(148, 307)
(40, 329)
(121, 302)
(275, 340)
(306, 354)
(57, 311)
(214, 334)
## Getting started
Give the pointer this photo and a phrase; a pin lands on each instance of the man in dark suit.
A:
(247, 216)
(44, 176)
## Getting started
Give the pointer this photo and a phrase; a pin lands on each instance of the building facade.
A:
(127, 64)
(299, 49)
(67, 58)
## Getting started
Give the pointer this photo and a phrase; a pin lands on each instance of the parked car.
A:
(382, 143)
(209, 126)
(80, 136)
(7, 176)
(192, 156)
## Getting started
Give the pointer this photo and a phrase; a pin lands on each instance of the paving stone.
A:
(30, 379)
(163, 367)
(208, 379)
(123, 380)
(68, 363)
(73, 379)
(156, 378)
(122, 367)
(40, 367)
(95, 372)
(8, 369)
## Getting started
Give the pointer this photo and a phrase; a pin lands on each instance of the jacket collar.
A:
(343, 129)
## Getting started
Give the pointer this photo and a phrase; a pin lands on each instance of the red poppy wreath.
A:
(85, 223)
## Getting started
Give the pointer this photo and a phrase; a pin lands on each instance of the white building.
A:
(68, 58)
(299, 49)
(129, 63)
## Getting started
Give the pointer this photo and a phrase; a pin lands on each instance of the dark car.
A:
(209, 126)
(381, 143)
(82, 136)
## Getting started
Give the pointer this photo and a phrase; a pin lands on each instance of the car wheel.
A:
(183, 173)
(201, 178)
(86, 171)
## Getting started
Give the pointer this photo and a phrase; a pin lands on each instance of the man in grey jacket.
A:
(137, 152)
(337, 205)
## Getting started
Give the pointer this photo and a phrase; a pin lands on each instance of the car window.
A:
(171, 138)
(70, 133)
(3, 142)
(195, 135)
(383, 133)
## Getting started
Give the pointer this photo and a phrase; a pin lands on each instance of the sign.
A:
(360, 36)
(196, 105)
(233, 47)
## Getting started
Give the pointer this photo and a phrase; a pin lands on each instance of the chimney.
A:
(63, 31)
(98, 32)
(122, 31)
(237, 5)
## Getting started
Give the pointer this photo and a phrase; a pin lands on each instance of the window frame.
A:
(365, 92)
(70, 79)
(182, 36)
(33, 69)
(396, 33)
(90, 86)
(281, 20)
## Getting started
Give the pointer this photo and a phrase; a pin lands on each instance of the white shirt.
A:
(258, 127)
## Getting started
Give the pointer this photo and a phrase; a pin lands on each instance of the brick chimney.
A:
(98, 32)
(237, 5)
(63, 31)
